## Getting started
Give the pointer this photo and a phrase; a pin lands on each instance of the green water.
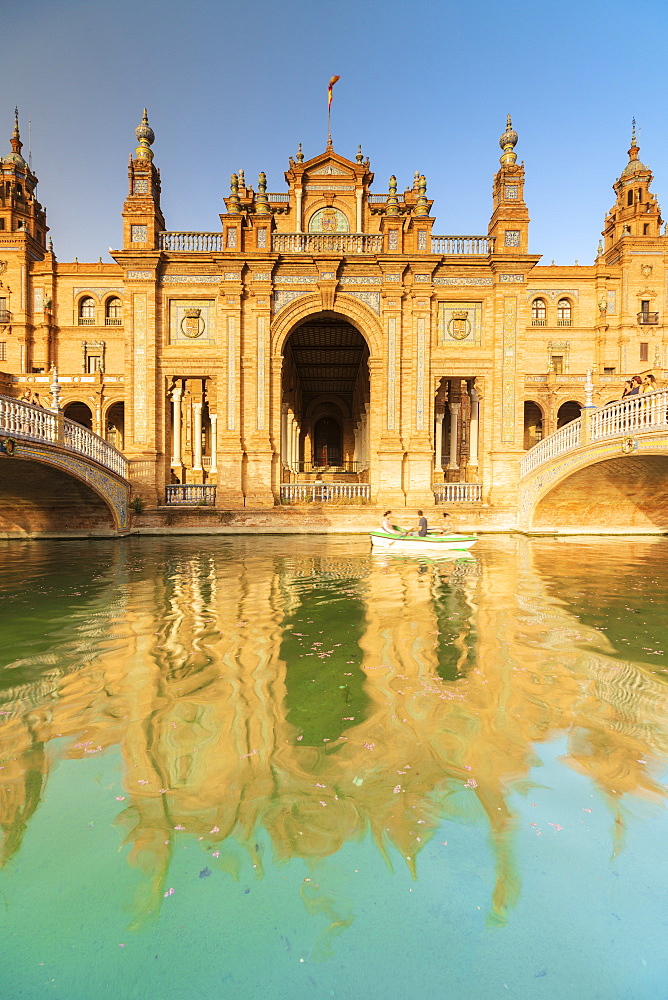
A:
(275, 769)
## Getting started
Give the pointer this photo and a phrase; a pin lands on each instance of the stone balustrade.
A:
(191, 495)
(191, 242)
(466, 245)
(24, 421)
(457, 492)
(343, 243)
(328, 493)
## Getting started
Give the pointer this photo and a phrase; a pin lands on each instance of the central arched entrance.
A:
(325, 401)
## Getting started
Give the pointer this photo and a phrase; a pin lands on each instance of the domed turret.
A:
(146, 137)
(17, 145)
(507, 142)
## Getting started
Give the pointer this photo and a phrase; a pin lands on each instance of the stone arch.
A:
(338, 205)
(534, 421)
(73, 409)
(566, 412)
(74, 482)
(332, 400)
(359, 315)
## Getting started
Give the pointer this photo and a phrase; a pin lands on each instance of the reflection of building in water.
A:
(209, 691)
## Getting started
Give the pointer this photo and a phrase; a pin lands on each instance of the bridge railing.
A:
(32, 423)
(633, 415)
(629, 416)
(565, 439)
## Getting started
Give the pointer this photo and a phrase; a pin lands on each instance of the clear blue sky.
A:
(423, 87)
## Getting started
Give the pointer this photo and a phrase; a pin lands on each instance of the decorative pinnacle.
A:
(359, 157)
(421, 205)
(233, 205)
(300, 155)
(507, 142)
(261, 201)
(392, 207)
(146, 137)
(17, 145)
(633, 132)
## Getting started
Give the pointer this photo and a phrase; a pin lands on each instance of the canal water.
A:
(285, 768)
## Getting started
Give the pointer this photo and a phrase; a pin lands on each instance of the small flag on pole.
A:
(330, 90)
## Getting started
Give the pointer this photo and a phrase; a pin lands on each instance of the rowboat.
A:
(421, 543)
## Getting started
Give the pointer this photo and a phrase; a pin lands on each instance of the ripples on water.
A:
(332, 773)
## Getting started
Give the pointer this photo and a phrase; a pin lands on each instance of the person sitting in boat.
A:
(445, 529)
(421, 529)
(387, 525)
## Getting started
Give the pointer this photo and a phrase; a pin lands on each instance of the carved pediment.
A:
(328, 170)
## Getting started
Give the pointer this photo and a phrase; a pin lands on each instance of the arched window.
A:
(538, 312)
(86, 311)
(113, 312)
(563, 312)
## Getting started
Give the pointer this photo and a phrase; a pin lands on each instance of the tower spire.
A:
(507, 142)
(16, 143)
(146, 137)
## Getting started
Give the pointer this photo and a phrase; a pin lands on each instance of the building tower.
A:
(636, 213)
(509, 225)
(142, 215)
(25, 308)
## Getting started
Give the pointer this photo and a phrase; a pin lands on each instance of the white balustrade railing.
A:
(191, 495)
(457, 492)
(33, 423)
(191, 242)
(566, 438)
(470, 245)
(343, 243)
(633, 415)
(323, 493)
(629, 416)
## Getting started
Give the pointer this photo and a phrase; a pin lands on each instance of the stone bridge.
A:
(606, 471)
(57, 477)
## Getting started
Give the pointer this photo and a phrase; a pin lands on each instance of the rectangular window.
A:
(645, 228)
(93, 363)
(558, 364)
(3, 350)
(644, 307)
(2, 223)
(644, 352)
(4, 318)
(608, 371)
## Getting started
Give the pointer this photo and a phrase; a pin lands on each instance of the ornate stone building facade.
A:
(325, 335)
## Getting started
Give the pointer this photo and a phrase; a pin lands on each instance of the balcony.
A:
(470, 246)
(191, 242)
(5, 316)
(539, 322)
(648, 318)
(190, 495)
(112, 321)
(339, 243)
(457, 492)
(85, 321)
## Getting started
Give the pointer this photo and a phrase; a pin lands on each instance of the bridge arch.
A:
(610, 486)
(46, 494)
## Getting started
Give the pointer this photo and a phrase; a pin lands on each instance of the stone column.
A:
(454, 431)
(197, 436)
(177, 392)
(298, 220)
(474, 433)
(213, 417)
(439, 444)
(358, 213)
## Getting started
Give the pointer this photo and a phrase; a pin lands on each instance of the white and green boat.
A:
(421, 543)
